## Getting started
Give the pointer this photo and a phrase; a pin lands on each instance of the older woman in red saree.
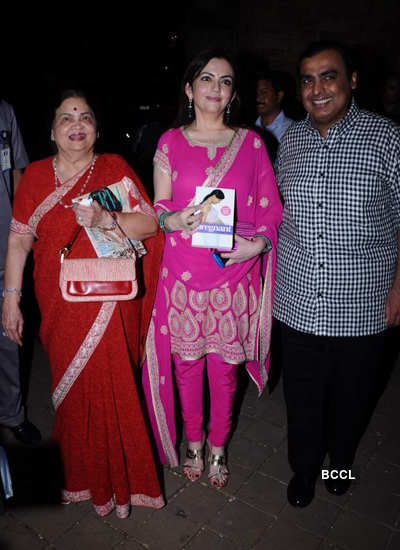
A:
(92, 346)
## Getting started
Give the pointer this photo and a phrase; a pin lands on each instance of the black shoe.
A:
(301, 490)
(337, 487)
(27, 433)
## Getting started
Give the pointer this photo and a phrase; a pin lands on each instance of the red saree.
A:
(92, 346)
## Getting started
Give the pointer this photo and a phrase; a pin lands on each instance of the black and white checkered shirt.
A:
(337, 249)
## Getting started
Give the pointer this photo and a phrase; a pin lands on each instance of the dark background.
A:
(127, 56)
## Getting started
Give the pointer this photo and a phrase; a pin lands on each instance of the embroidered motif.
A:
(257, 143)
(164, 330)
(262, 228)
(199, 317)
(172, 241)
(264, 202)
(185, 236)
(221, 299)
(166, 297)
(164, 272)
(186, 275)
(198, 300)
(159, 412)
(174, 175)
(209, 323)
(228, 161)
(227, 328)
(243, 327)
(84, 353)
(122, 510)
(165, 148)
(179, 295)
(239, 302)
(252, 300)
(174, 323)
(51, 200)
(162, 162)
(190, 327)
(249, 200)
(20, 228)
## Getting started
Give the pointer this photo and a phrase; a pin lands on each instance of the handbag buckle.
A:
(64, 252)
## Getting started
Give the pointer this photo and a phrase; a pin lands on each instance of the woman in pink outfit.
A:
(205, 314)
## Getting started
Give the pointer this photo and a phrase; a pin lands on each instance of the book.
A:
(216, 227)
(113, 244)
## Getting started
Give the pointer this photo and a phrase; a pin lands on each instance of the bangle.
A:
(11, 291)
(267, 246)
(161, 221)
(113, 225)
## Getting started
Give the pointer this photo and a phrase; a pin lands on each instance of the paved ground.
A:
(251, 513)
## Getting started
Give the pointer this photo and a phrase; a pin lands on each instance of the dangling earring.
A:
(52, 135)
(228, 112)
(98, 135)
(190, 109)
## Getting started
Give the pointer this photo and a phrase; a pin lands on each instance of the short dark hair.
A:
(278, 79)
(67, 94)
(322, 45)
(192, 72)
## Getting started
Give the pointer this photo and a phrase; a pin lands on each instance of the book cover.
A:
(113, 244)
(216, 227)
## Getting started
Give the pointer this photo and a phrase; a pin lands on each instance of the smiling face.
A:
(326, 88)
(268, 100)
(74, 126)
(212, 90)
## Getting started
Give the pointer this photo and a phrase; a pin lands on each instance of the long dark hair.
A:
(192, 72)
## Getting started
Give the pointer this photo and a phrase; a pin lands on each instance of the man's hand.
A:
(392, 308)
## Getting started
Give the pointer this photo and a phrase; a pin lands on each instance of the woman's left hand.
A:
(92, 216)
(246, 249)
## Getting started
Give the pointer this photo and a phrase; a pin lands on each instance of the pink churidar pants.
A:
(222, 379)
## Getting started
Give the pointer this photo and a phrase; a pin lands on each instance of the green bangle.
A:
(161, 221)
(268, 245)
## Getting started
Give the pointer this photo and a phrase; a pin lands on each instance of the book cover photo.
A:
(216, 228)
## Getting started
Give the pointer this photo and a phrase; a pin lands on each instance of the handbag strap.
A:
(66, 249)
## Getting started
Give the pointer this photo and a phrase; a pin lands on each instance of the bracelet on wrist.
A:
(267, 246)
(11, 291)
(161, 221)
(113, 225)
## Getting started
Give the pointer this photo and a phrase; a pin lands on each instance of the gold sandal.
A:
(219, 477)
(193, 471)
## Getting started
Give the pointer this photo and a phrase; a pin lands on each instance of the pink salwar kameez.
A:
(202, 310)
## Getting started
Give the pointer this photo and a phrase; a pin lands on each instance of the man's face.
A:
(325, 88)
(268, 101)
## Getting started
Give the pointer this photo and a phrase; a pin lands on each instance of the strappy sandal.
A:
(193, 470)
(218, 473)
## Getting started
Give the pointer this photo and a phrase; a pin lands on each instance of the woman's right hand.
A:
(184, 220)
(12, 319)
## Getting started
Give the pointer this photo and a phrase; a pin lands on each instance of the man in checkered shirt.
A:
(337, 287)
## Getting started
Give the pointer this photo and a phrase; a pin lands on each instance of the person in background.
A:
(93, 347)
(13, 159)
(269, 99)
(205, 314)
(337, 287)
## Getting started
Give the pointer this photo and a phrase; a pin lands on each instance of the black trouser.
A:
(329, 385)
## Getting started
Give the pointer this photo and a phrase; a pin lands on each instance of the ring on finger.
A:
(79, 219)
